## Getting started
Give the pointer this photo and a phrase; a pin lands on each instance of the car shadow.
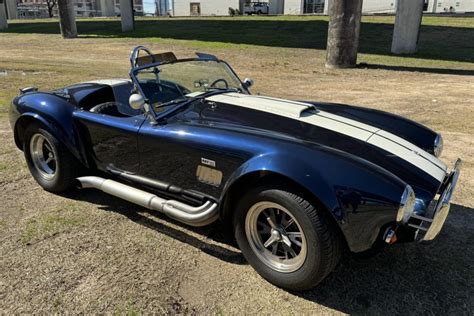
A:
(411, 278)
(435, 42)
(215, 239)
(406, 279)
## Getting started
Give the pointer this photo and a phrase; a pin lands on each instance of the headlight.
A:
(438, 145)
(407, 205)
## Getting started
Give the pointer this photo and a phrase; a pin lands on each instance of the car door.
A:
(111, 141)
(182, 150)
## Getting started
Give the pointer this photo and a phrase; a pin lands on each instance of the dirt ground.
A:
(86, 252)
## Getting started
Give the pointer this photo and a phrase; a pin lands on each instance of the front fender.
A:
(54, 113)
(359, 195)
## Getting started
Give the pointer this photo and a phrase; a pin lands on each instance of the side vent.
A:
(209, 176)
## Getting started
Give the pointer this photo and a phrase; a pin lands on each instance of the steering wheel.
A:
(213, 85)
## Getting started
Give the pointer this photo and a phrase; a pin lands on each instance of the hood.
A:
(337, 131)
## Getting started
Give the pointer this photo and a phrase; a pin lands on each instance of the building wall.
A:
(276, 6)
(218, 7)
(389, 6)
(82, 8)
(208, 7)
(165, 7)
(368, 6)
(440, 6)
(379, 6)
(293, 7)
(137, 6)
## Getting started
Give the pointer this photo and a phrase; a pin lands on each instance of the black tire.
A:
(67, 168)
(323, 241)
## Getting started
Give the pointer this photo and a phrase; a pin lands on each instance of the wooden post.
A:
(126, 15)
(67, 18)
(407, 26)
(343, 33)
(3, 16)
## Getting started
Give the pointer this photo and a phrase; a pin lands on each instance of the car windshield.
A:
(181, 80)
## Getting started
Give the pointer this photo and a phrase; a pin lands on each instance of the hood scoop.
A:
(292, 109)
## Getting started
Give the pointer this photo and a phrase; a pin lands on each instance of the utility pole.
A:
(343, 33)
(407, 26)
(126, 15)
(67, 18)
(3, 16)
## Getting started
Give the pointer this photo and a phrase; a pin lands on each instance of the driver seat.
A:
(108, 108)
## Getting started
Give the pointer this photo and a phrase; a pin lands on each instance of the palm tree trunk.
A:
(67, 19)
(343, 33)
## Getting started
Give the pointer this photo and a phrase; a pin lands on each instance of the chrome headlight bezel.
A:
(407, 205)
(438, 145)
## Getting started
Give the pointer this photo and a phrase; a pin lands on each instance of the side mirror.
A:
(248, 82)
(136, 101)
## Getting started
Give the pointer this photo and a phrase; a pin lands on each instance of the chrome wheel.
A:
(43, 156)
(275, 236)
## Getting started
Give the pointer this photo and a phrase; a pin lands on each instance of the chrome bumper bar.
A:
(432, 224)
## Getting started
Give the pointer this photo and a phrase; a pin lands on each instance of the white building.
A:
(296, 7)
(376, 6)
(82, 8)
(195, 7)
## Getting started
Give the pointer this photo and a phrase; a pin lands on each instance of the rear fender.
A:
(55, 114)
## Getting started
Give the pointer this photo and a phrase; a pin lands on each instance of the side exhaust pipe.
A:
(190, 215)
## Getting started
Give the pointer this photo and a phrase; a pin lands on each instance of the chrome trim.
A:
(43, 155)
(407, 205)
(443, 205)
(432, 224)
(276, 237)
(438, 145)
(190, 215)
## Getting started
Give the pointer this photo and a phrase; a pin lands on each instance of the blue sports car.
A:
(297, 182)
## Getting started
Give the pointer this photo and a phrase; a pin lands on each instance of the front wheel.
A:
(285, 238)
(49, 161)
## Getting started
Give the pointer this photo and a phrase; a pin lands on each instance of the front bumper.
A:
(431, 225)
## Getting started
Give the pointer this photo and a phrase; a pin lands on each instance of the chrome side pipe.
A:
(190, 215)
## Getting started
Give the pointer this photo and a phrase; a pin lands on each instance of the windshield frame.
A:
(136, 69)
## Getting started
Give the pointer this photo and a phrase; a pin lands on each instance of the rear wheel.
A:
(49, 161)
(285, 238)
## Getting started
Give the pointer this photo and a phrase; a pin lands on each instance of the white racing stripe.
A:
(364, 132)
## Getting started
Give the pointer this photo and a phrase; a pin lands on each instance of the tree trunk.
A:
(407, 26)
(50, 11)
(343, 33)
(67, 19)
(3, 16)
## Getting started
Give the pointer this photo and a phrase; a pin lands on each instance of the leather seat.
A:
(108, 108)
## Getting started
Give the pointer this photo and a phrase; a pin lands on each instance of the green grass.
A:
(48, 225)
(126, 309)
(442, 38)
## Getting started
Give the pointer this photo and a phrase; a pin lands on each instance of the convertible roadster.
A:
(296, 182)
